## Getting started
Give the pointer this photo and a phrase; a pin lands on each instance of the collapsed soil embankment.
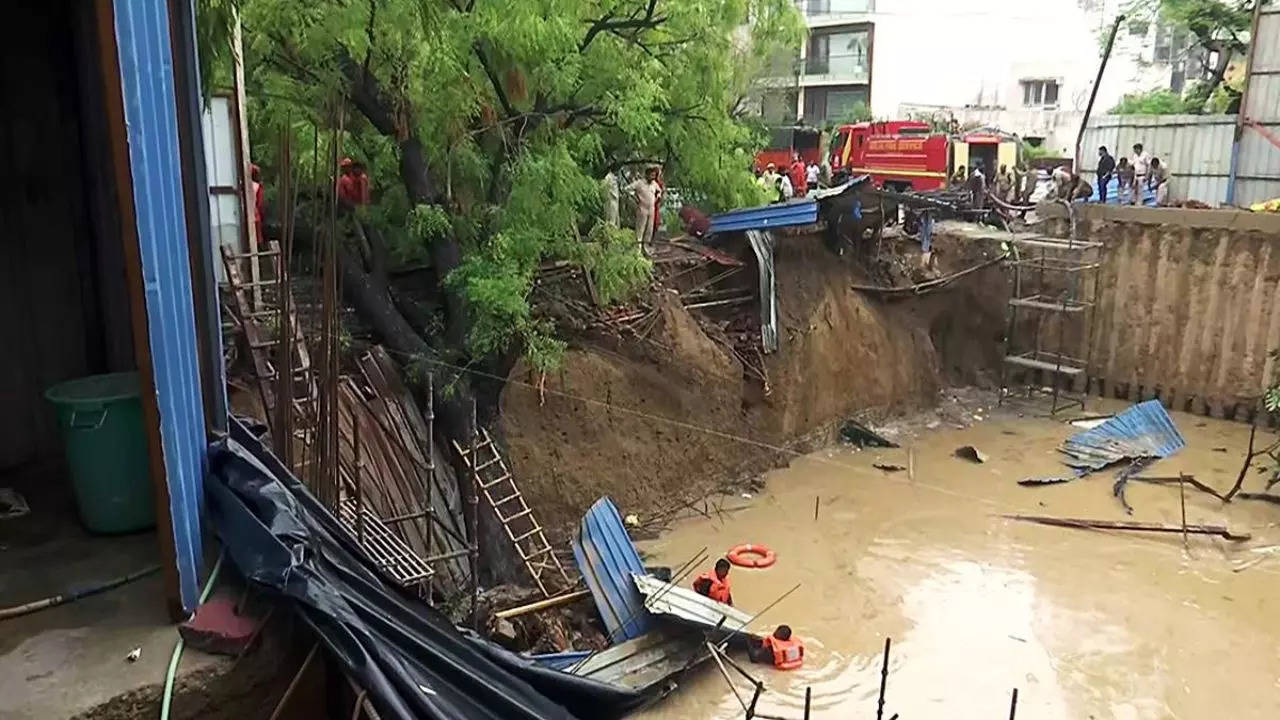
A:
(659, 423)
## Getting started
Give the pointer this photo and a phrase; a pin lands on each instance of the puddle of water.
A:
(1085, 624)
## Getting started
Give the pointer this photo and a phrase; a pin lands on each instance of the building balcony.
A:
(818, 13)
(835, 70)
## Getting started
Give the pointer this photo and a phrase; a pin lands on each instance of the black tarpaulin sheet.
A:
(413, 662)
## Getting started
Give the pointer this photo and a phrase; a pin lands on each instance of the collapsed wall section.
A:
(666, 420)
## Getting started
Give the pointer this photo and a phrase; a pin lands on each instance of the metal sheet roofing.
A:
(641, 663)
(560, 660)
(607, 559)
(803, 211)
(800, 211)
(685, 604)
(1143, 431)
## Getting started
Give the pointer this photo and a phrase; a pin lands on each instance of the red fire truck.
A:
(783, 141)
(908, 155)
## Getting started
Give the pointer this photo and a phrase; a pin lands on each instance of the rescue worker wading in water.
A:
(780, 649)
(715, 585)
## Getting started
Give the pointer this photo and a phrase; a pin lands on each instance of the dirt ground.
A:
(1085, 624)
(661, 423)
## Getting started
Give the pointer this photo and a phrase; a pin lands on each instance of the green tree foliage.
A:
(856, 113)
(1216, 26)
(487, 126)
(1158, 101)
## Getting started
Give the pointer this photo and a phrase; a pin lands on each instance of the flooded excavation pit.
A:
(1084, 623)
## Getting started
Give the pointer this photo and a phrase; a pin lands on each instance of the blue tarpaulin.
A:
(1143, 431)
(607, 559)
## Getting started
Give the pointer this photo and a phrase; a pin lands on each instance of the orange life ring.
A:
(752, 556)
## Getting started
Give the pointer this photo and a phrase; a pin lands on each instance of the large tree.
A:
(1218, 27)
(488, 125)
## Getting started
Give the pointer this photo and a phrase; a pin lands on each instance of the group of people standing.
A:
(795, 180)
(647, 191)
(1013, 186)
(1135, 177)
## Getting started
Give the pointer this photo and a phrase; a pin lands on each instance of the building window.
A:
(778, 107)
(843, 52)
(836, 7)
(1170, 43)
(1039, 93)
(837, 104)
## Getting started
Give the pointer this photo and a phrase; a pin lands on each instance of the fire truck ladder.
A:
(499, 487)
(1050, 277)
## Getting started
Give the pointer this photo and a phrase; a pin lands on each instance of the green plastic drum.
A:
(101, 421)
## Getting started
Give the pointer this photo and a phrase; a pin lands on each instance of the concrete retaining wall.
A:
(1188, 305)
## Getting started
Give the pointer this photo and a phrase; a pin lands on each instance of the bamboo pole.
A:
(550, 602)
(1220, 530)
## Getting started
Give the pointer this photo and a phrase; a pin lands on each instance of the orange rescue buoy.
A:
(752, 556)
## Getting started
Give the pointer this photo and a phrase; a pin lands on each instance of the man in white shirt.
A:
(811, 175)
(646, 193)
(1141, 168)
(784, 187)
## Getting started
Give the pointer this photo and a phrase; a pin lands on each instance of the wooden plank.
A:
(248, 202)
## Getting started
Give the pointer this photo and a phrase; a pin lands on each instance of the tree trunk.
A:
(371, 297)
(1219, 72)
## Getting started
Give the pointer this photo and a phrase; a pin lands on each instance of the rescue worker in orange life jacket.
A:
(779, 649)
(715, 585)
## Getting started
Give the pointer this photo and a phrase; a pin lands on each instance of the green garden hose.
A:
(167, 697)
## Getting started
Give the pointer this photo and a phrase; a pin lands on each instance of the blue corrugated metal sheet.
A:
(561, 660)
(1143, 431)
(150, 107)
(795, 212)
(607, 559)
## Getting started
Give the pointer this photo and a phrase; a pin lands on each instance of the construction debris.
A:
(863, 436)
(1219, 530)
(971, 453)
(1142, 431)
(1032, 482)
(1141, 434)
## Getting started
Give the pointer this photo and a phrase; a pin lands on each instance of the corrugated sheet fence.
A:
(1188, 306)
(1195, 148)
(1258, 177)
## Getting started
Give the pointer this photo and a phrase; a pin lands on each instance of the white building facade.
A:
(1025, 67)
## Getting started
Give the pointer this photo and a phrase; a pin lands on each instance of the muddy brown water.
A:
(1086, 624)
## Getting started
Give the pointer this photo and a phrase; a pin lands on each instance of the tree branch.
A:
(507, 109)
(368, 53)
(635, 21)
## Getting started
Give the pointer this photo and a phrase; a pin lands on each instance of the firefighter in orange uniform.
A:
(780, 649)
(715, 585)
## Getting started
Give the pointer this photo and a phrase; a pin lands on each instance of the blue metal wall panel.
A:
(1143, 431)
(606, 558)
(796, 212)
(146, 75)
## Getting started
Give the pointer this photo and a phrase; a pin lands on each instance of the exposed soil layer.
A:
(664, 421)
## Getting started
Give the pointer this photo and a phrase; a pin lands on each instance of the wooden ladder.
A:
(252, 320)
(504, 496)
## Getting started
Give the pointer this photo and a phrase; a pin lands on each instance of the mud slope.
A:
(654, 423)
